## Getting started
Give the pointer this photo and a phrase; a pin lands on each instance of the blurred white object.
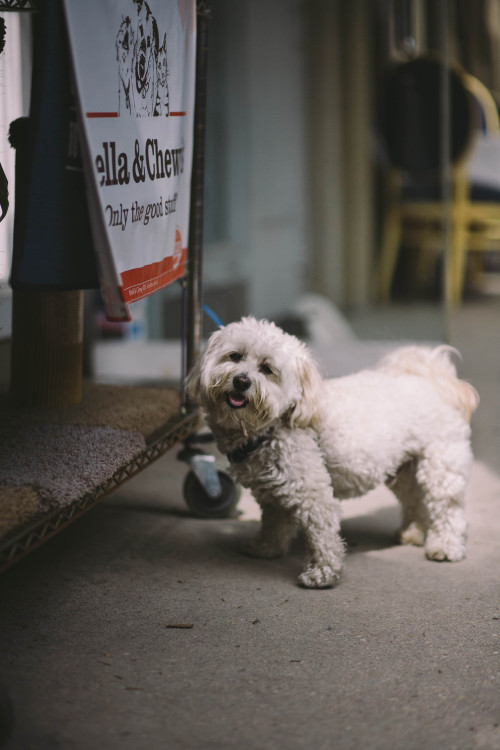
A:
(325, 324)
(129, 362)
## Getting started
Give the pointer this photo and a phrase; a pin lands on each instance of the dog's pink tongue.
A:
(236, 399)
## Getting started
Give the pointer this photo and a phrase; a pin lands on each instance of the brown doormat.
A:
(52, 458)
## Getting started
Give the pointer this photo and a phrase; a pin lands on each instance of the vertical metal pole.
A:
(195, 247)
(445, 149)
(184, 296)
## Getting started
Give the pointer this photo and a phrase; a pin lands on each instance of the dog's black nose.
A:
(241, 382)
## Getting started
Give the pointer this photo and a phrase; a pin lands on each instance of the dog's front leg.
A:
(277, 531)
(320, 522)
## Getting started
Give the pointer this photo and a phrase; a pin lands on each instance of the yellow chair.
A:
(431, 202)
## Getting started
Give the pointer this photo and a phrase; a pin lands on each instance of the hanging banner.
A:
(134, 69)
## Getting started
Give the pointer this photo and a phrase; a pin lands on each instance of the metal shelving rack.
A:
(183, 424)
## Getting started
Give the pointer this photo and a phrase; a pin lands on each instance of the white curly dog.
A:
(300, 443)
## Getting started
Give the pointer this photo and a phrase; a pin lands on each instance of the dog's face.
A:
(253, 373)
(147, 49)
(125, 43)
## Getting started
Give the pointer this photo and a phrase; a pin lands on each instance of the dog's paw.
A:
(264, 549)
(412, 534)
(452, 550)
(322, 577)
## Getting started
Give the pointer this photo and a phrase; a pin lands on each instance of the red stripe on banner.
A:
(101, 114)
(177, 114)
(140, 282)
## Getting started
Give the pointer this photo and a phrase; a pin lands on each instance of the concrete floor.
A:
(404, 653)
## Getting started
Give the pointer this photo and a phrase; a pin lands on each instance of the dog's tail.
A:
(436, 365)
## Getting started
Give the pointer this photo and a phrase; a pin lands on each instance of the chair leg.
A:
(426, 260)
(391, 237)
(475, 265)
(455, 263)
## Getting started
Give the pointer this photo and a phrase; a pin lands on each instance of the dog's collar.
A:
(244, 451)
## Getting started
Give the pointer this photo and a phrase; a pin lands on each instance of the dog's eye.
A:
(265, 369)
(235, 357)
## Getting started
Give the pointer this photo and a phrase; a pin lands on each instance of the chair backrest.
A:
(489, 121)
(412, 115)
(483, 163)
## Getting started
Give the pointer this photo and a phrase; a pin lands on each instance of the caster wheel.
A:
(202, 505)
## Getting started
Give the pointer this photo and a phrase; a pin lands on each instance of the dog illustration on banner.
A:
(142, 65)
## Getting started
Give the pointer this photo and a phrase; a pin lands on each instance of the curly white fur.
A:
(300, 443)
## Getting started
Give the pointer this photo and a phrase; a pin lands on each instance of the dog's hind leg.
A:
(277, 531)
(431, 490)
(442, 472)
(415, 520)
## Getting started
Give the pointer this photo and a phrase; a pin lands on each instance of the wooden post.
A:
(47, 348)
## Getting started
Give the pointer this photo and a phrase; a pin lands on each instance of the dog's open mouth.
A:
(236, 400)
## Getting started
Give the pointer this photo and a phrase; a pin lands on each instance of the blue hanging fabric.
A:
(52, 240)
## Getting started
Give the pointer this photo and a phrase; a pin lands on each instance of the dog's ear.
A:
(195, 377)
(193, 382)
(304, 411)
